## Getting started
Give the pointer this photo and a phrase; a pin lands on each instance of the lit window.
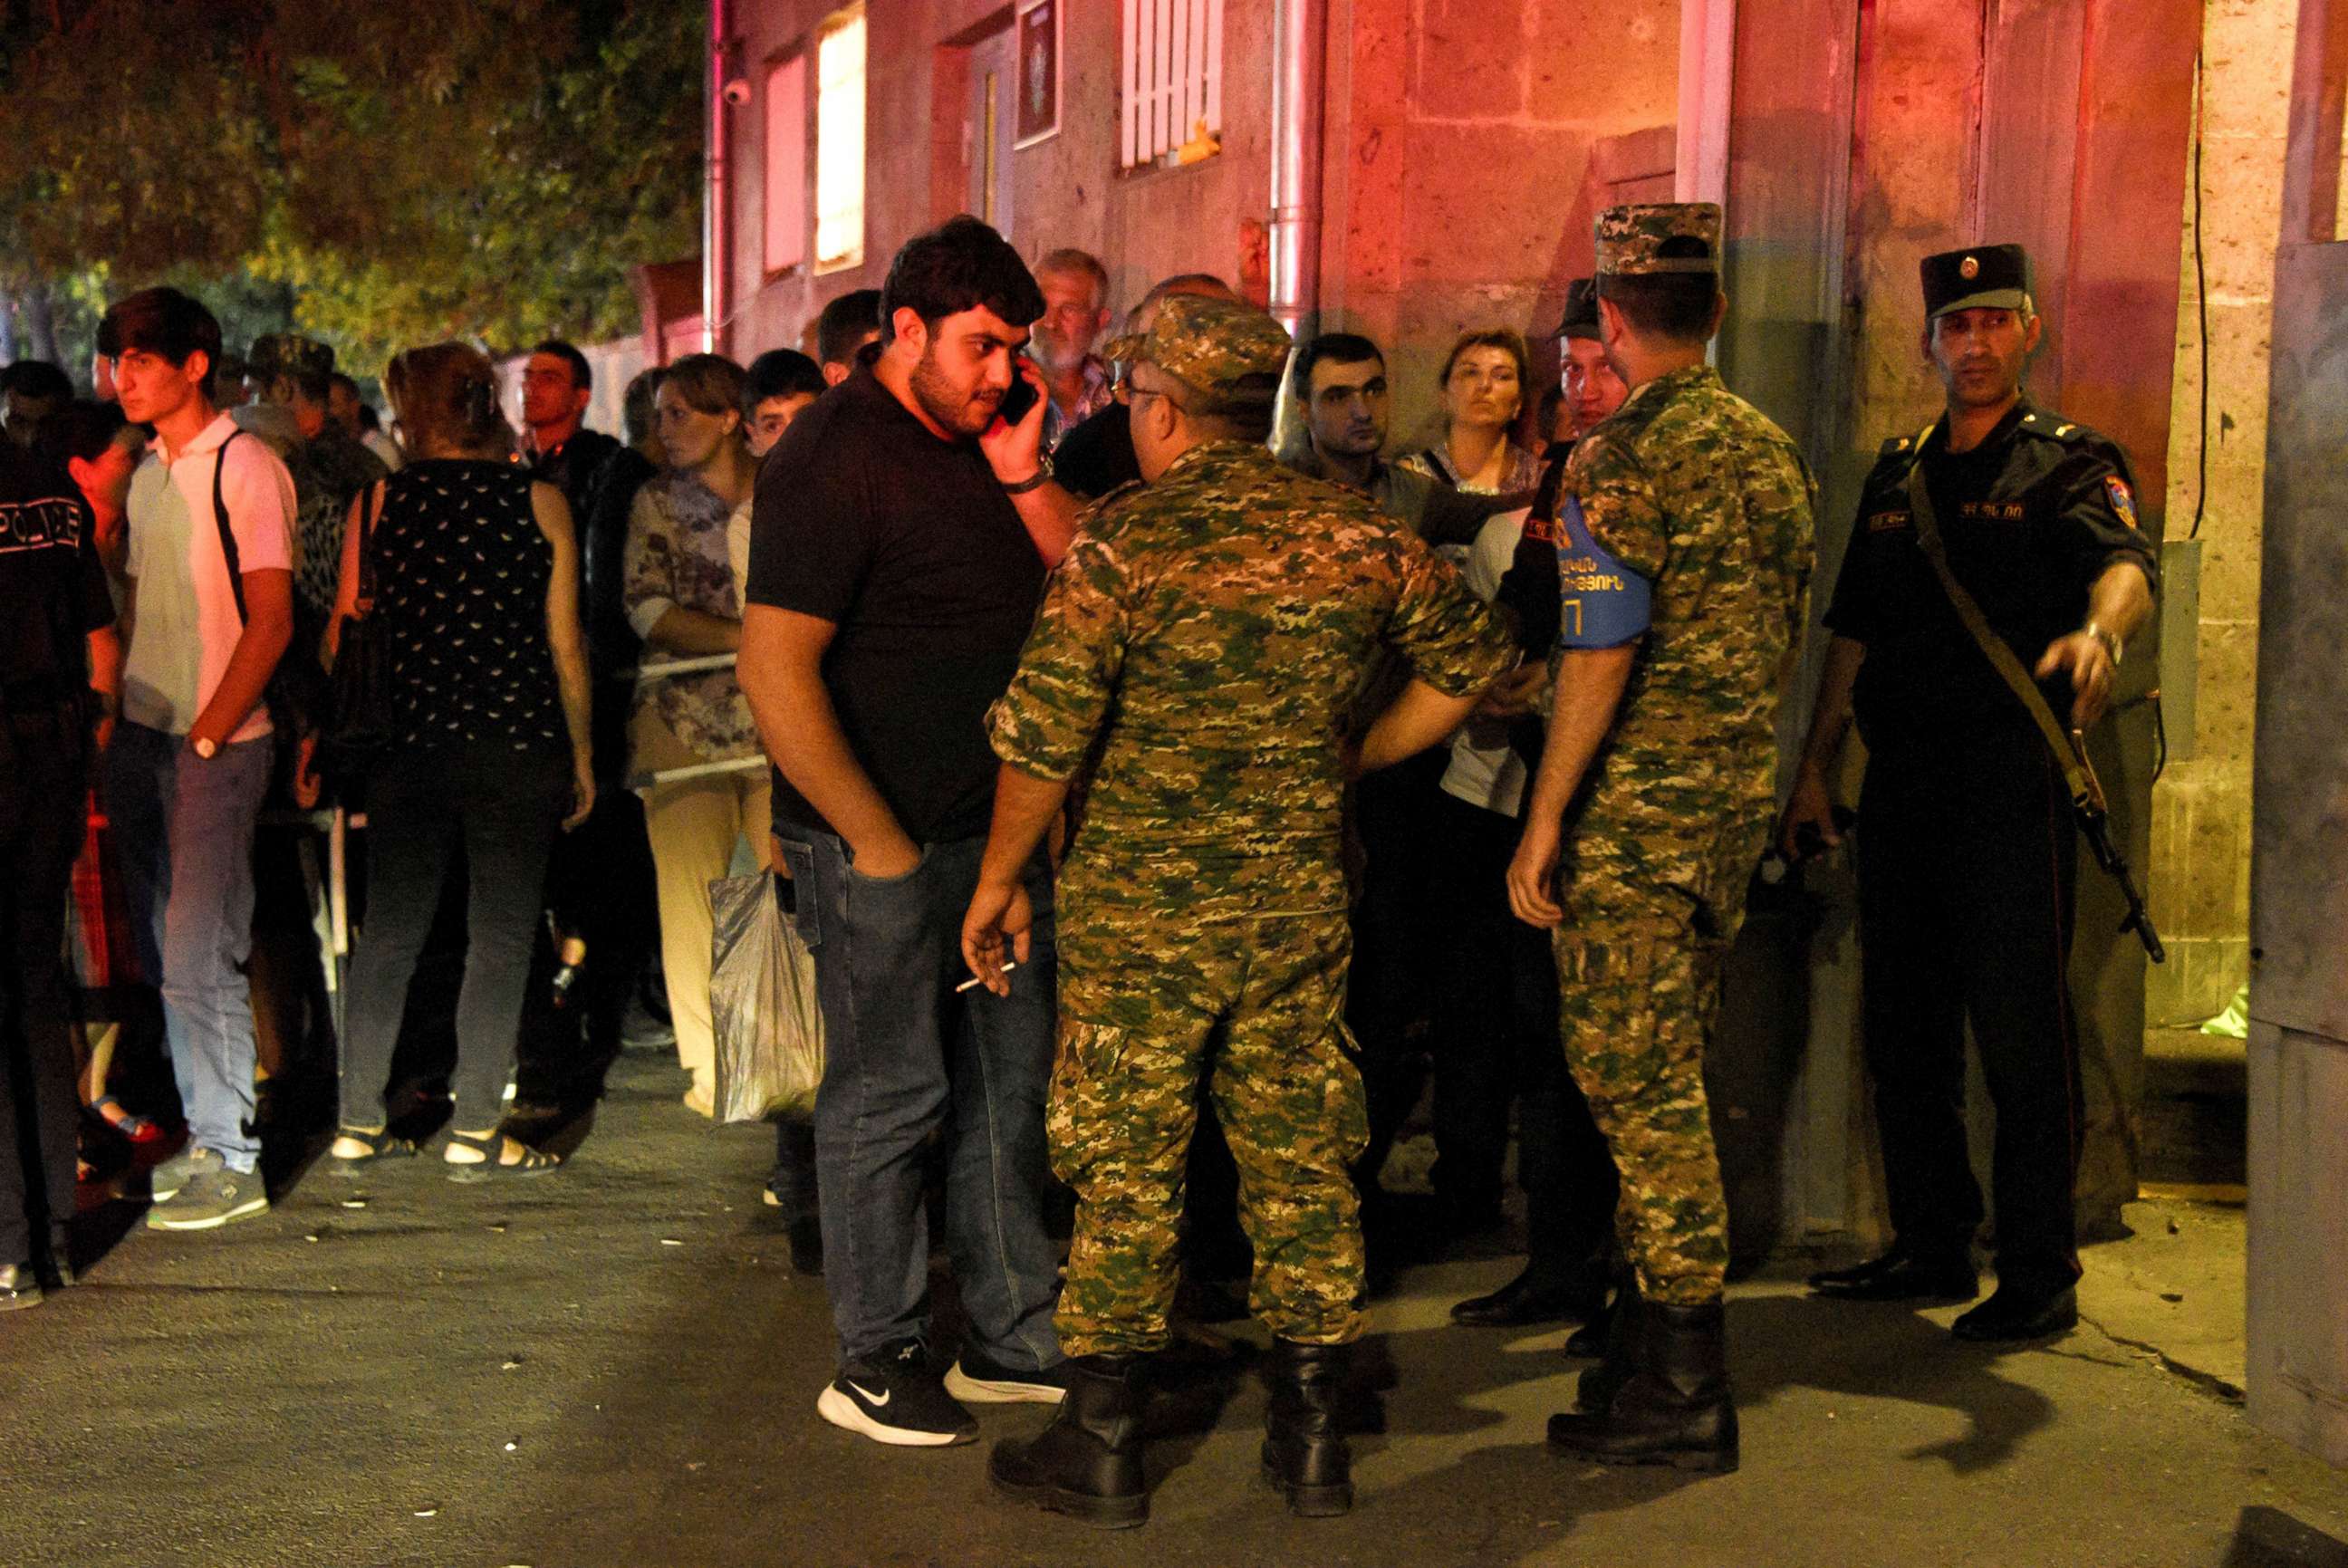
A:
(786, 171)
(1173, 82)
(839, 143)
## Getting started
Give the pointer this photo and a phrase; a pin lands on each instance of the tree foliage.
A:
(407, 172)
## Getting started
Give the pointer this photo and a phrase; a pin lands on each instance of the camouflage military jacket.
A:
(1205, 636)
(1696, 491)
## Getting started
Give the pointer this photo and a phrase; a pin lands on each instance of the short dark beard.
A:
(946, 406)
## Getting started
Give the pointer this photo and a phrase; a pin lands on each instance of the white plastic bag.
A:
(762, 999)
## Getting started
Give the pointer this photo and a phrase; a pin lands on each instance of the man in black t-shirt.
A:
(60, 673)
(1967, 851)
(899, 544)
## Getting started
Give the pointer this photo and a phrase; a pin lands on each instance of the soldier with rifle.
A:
(1987, 597)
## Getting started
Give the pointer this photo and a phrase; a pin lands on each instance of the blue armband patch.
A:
(1601, 603)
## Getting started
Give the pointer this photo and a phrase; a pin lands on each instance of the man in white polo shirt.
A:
(211, 610)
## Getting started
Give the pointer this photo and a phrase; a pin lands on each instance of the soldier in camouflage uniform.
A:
(1199, 649)
(1683, 555)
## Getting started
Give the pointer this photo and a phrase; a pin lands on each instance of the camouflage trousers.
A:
(1253, 1011)
(1639, 972)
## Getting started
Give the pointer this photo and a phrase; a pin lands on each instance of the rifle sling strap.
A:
(1993, 647)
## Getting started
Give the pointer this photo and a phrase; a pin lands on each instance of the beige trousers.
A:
(693, 825)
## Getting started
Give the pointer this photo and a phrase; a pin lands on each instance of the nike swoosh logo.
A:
(878, 1402)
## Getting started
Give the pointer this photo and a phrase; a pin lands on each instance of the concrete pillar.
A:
(2298, 1369)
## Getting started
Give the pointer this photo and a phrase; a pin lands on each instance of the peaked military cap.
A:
(286, 354)
(1987, 277)
(1659, 237)
(1580, 310)
(1212, 343)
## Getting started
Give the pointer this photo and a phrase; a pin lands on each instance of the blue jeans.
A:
(184, 828)
(905, 1054)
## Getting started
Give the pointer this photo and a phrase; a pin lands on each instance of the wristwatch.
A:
(205, 747)
(2112, 644)
(1036, 481)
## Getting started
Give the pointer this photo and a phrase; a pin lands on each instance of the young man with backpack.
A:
(210, 565)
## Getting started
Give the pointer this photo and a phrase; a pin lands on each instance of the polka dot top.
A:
(461, 576)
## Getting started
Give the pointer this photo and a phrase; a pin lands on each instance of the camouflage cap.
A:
(288, 353)
(1210, 342)
(1580, 310)
(1659, 237)
(1987, 277)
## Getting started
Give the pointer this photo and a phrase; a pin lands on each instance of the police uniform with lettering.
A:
(52, 594)
(1966, 852)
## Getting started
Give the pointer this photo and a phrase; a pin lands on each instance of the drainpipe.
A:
(1299, 35)
(716, 208)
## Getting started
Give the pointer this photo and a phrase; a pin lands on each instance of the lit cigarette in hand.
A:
(974, 981)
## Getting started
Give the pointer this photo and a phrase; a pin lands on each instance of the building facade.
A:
(1453, 153)
(1461, 143)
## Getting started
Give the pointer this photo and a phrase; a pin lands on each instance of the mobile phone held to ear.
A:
(1018, 400)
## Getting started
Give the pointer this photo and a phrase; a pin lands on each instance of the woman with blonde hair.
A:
(470, 573)
(1483, 386)
(684, 600)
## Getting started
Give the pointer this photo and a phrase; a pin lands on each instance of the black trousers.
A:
(44, 780)
(1967, 866)
(503, 808)
(599, 884)
(1390, 990)
(1497, 1041)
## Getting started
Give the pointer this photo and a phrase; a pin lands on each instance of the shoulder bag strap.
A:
(2084, 794)
(227, 534)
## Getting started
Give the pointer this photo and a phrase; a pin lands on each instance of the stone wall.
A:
(1461, 139)
(2200, 861)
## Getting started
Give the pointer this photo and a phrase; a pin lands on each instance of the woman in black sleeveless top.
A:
(476, 606)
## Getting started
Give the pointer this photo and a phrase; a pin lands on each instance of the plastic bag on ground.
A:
(762, 999)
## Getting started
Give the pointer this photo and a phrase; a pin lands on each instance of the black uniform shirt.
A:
(2030, 519)
(52, 588)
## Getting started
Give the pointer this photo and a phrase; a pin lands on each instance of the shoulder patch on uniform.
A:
(1897, 445)
(2123, 500)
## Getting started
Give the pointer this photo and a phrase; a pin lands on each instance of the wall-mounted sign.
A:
(1038, 39)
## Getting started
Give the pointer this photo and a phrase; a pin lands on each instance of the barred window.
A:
(1173, 82)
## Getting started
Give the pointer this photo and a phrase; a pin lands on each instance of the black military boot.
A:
(1618, 1352)
(1675, 1410)
(1088, 1462)
(1304, 1454)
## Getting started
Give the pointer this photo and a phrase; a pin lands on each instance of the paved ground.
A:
(614, 1366)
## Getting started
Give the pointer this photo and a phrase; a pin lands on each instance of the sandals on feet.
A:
(382, 1144)
(493, 1165)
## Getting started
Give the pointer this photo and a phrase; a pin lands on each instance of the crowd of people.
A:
(1250, 788)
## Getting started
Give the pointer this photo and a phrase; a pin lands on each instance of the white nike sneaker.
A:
(895, 1398)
